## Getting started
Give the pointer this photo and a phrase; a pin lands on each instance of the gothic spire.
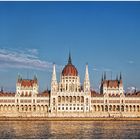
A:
(54, 80)
(35, 77)
(117, 77)
(54, 73)
(86, 73)
(2, 89)
(69, 60)
(86, 81)
(120, 76)
(102, 78)
(104, 75)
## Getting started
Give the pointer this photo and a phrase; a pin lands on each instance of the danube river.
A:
(70, 129)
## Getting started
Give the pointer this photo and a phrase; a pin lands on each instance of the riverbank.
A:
(65, 119)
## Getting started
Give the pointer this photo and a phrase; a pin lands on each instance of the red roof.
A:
(70, 70)
(27, 83)
(44, 94)
(5, 94)
(136, 94)
(111, 83)
(95, 94)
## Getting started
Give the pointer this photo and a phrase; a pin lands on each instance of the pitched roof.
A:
(135, 94)
(27, 82)
(111, 83)
(7, 94)
(44, 94)
(96, 94)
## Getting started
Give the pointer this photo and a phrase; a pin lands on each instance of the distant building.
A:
(69, 98)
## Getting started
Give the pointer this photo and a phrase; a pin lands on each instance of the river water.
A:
(70, 129)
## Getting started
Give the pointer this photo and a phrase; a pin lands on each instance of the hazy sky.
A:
(33, 35)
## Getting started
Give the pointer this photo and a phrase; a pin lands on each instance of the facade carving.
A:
(69, 98)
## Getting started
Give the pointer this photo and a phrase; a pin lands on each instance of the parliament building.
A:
(70, 98)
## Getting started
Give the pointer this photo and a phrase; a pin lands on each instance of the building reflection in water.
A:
(70, 129)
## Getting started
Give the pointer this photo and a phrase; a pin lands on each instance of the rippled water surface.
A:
(67, 129)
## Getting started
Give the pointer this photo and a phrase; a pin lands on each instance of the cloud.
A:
(33, 51)
(23, 59)
(102, 69)
(131, 89)
(131, 62)
(95, 69)
(107, 70)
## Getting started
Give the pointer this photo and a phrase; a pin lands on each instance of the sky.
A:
(34, 35)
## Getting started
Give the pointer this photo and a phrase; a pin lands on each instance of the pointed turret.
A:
(19, 78)
(86, 81)
(54, 74)
(120, 79)
(54, 80)
(120, 76)
(35, 77)
(117, 77)
(102, 79)
(104, 75)
(1, 89)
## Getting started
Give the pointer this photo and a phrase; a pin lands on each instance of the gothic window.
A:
(63, 98)
(87, 101)
(70, 98)
(106, 108)
(82, 99)
(74, 99)
(66, 87)
(67, 98)
(53, 100)
(78, 98)
(59, 99)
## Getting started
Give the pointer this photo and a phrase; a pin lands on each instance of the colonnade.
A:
(114, 108)
(24, 108)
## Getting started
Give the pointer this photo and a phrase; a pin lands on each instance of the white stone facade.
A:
(68, 98)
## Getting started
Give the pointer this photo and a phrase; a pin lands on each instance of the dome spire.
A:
(69, 60)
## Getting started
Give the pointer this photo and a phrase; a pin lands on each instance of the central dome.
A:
(69, 69)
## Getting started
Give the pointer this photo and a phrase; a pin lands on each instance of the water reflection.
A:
(70, 129)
